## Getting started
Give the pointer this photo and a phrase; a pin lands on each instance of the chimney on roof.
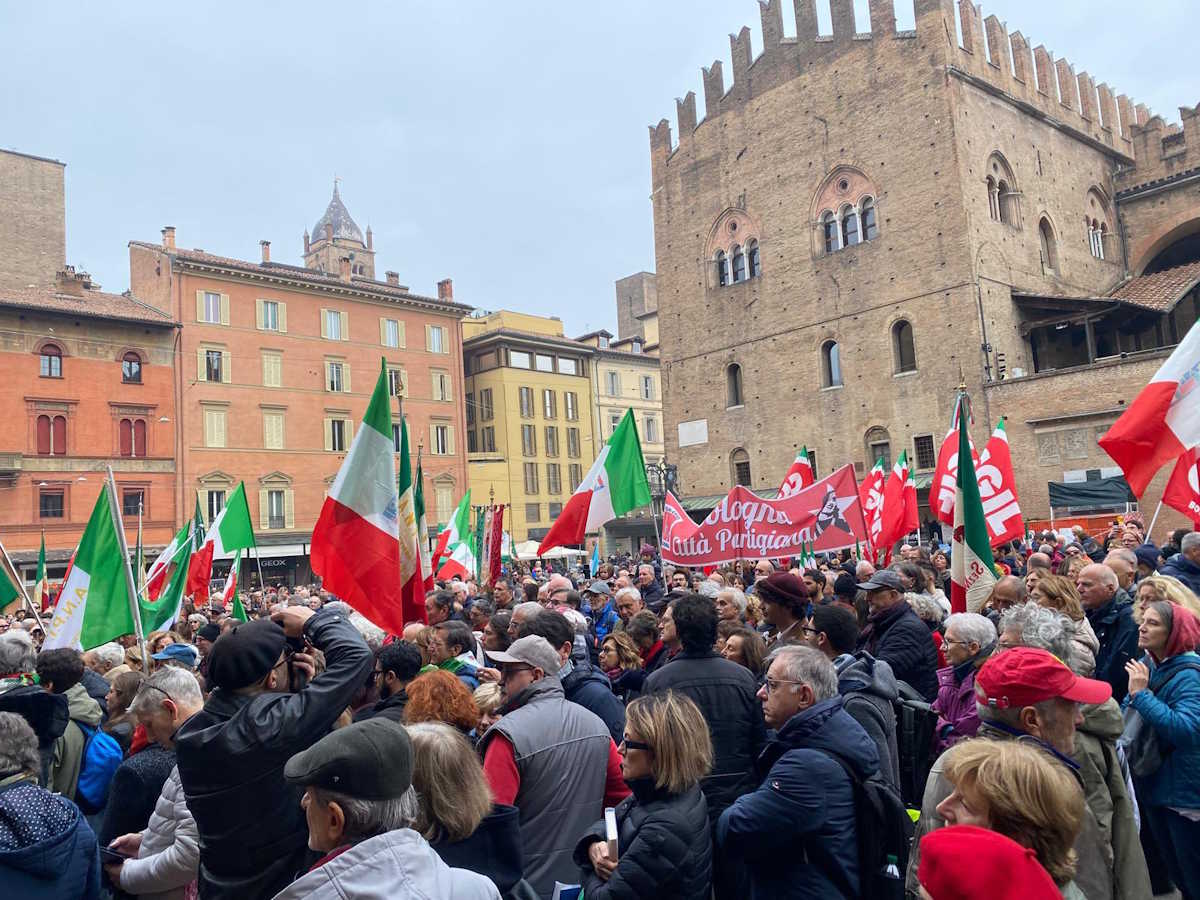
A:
(168, 235)
(393, 278)
(266, 250)
(344, 262)
(446, 289)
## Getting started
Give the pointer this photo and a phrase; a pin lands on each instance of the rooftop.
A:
(338, 216)
(1159, 290)
(89, 304)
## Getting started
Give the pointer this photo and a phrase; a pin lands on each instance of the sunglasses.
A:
(634, 745)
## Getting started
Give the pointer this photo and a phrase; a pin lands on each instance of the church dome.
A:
(338, 216)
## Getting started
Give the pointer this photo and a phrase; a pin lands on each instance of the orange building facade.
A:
(88, 383)
(276, 366)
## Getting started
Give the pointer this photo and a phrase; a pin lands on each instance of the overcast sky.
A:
(501, 144)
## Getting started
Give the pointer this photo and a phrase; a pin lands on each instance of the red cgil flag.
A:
(900, 516)
(1183, 488)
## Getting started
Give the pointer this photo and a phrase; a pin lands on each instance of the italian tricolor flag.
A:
(93, 606)
(39, 588)
(171, 571)
(355, 544)
(971, 572)
(411, 507)
(230, 530)
(455, 553)
(615, 484)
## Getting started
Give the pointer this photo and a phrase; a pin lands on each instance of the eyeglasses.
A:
(510, 671)
(634, 745)
(154, 687)
(807, 630)
(772, 685)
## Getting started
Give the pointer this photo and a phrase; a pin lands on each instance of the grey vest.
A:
(561, 751)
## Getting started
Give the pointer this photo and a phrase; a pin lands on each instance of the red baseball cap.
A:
(963, 862)
(1024, 676)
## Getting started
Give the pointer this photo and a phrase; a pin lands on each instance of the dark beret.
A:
(245, 654)
(783, 588)
(368, 760)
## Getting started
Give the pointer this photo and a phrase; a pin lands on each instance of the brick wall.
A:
(32, 220)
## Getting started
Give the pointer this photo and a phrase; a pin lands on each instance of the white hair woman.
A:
(969, 640)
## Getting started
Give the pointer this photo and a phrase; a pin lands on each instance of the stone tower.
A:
(336, 236)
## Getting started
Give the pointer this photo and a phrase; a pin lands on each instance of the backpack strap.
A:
(833, 874)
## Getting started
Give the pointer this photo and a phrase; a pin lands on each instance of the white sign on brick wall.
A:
(693, 432)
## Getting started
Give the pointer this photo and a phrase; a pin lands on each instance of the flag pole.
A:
(1153, 519)
(131, 590)
(21, 587)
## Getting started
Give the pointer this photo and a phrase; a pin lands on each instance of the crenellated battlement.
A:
(986, 55)
(1161, 149)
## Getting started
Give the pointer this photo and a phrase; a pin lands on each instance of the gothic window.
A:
(903, 350)
(849, 226)
(1048, 246)
(832, 237)
(740, 463)
(1095, 222)
(739, 264)
(870, 230)
(733, 386)
(51, 361)
(722, 269)
(831, 364)
(752, 256)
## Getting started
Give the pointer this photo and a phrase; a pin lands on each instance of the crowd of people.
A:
(759, 730)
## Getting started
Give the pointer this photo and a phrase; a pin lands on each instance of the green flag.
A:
(165, 608)
(971, 572)
(39, 587)
(139, 558)
(8, 590)
(93, 606)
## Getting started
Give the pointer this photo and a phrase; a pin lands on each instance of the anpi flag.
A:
(971, 561)
(799, 476)
(93, 605)
(1163, 420)
(455, 554)
(615, 484)
(355, 544)
(1183, 488)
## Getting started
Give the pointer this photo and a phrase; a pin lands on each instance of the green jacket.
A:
(68, 749)
(1106, 796)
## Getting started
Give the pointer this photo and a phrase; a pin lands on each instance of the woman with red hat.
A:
(965, 862)
(1164, 688)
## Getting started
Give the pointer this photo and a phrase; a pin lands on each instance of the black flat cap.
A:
(245, 654)
(369, 760)
(209, 632)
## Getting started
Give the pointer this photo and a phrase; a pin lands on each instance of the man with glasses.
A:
(164, 849)
(265, 706)
(797, 832)
(396, 664)
(552, 759)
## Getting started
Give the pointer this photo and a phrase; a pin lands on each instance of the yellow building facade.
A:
(531, 423)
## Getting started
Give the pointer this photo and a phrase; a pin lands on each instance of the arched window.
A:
(739, 264)
(870, 230)
(722, 269)
(1002, 203)
(993, 199)
(51, 435)
(739, 462)
(832, 235)
(1095, 221)
(51, 361)
(752, 256)
(1003, 194)
(1049, 246)
(903, 350)
(849, 226)
(131, 369)
(879, 447)
(126, 442)
(133, 438)
(831, 364)
(733, 386)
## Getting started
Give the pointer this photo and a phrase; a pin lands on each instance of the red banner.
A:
(997, 486)
(823, 517)
(1183, 487)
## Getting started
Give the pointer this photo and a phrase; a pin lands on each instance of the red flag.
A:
(998, 489)
(1183, 488)
(495, 540)
(899, 504)
(799, 476)
(200, 573)
(870, 498)
(1163, 420)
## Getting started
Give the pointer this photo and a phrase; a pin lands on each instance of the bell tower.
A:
(336, 236)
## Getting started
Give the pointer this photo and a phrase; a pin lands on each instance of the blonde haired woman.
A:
(1018, 791)
(1058, 592)
(1164, 589)
(664, 843)
(456, 812)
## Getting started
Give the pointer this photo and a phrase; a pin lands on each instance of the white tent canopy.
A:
(528, 550)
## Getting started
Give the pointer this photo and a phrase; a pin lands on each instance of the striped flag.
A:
(971, 572)
(355, 544)
(39, 587)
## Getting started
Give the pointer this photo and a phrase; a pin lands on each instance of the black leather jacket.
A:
(253, 835)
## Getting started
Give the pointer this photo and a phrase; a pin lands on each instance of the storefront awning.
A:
(1094, 494)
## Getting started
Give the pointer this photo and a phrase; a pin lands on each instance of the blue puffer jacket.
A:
(1179, 566)
(1172, 706)
(47, 849)
(800, 823)
(592, 690)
